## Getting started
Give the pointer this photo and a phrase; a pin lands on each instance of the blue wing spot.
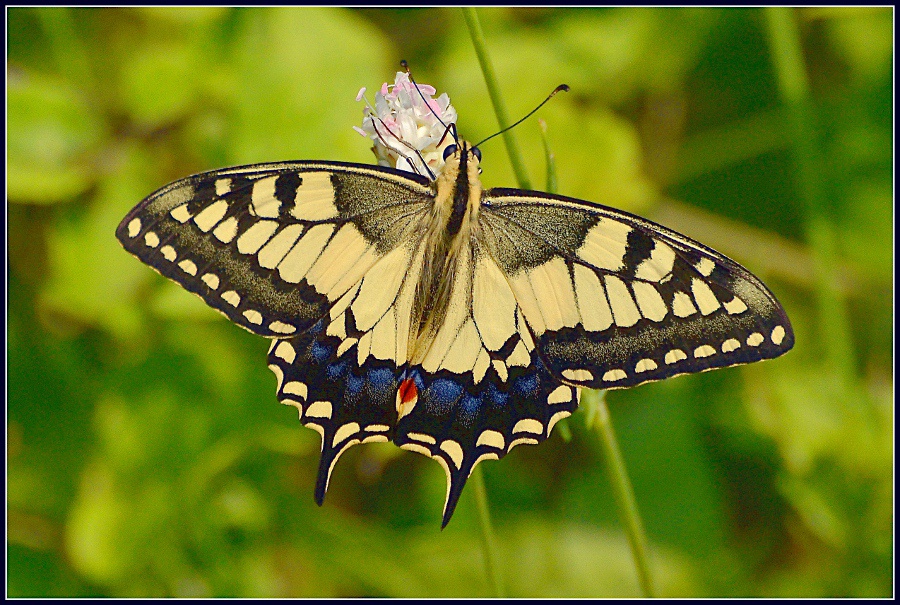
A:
(469, 406)
(446, 392)
(381, 378)
(496, 397)
(417, 379)
(527, 385)
(320, 325)
(336, 370)
(355, 385)
(319, 351)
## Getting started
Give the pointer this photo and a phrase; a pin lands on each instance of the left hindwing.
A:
(614, 300)
(274, 246)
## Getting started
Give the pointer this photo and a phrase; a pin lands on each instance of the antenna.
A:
(452, 127)
(405, 66)
(561, 87)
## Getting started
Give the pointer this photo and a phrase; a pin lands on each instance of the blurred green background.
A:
(146, 452)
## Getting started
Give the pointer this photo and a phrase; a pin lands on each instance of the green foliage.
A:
(146, 456)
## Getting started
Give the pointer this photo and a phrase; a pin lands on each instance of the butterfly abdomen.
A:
(448, 252)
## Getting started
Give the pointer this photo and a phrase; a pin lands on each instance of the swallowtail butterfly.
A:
(454, 321)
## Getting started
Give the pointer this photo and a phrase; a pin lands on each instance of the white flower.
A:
(404, 122)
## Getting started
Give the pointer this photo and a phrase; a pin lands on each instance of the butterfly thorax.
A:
(449, 229)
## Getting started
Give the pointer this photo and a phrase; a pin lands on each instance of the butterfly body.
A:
(448, 229)
(454, 321)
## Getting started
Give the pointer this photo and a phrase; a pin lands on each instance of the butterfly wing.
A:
(312, 254)
(614, 300)
(274, 246)
(481, 389)
(479, 392)
(551, 294)
(342, 375)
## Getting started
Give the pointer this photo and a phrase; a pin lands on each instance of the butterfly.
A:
(454, 321)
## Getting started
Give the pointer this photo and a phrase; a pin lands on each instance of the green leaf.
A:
(52, 133)
(299, 71)
(91, 281)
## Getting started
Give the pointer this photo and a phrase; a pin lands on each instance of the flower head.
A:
(405, 128)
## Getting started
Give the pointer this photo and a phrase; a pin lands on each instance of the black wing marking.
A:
(274, 246)
(480, 391)
(615, 300)
(345, 402)
(460, 423)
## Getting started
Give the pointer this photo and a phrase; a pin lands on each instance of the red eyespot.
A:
(408, 391)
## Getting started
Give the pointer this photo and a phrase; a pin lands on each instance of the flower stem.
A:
(595, 401)
(549, 159)
(490, 79)
(487, 534)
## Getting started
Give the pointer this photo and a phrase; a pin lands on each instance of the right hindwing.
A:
(274, 246)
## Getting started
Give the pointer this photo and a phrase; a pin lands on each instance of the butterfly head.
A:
(459, 148)
(461, 166)
(462, 156)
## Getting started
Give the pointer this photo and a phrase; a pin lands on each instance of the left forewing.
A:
(614, 300)
(274, 246)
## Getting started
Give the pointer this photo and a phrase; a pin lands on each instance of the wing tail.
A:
(460, 424)
(347, 404)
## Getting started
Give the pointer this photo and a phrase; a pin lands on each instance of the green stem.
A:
(487, 534)
(787, 59)
(496, 98)
(549, 159)
(595, 401)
